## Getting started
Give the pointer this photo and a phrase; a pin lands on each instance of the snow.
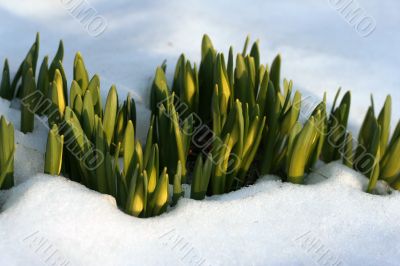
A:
(270, 222)
(51, 220)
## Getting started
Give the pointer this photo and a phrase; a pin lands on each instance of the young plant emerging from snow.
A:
(336, 130)
(380, 155)
(54, 152)
(7, 150)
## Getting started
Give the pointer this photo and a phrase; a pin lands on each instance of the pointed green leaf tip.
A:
(224, 89)
(384, 122)
(74, 93)
(149, 143)
(43, 83)
(5, 86)
(30, 61)
(243, 92)
(138, 195)
(159, 91)
(160, 200)
(57, 58)
(36, 53)
(54, 152)
(190, 87)
(94, 88)
(58, 92)
(206, 46)
(206, 77)
(301, 152)
(7, 150)
(129, 150)
(246, 44)
(152, 169)
(292, 115)
(255, 53)
(275, 73)
(110, 113)
(80, 74)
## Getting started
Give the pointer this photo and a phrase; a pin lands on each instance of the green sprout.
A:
(7, 151)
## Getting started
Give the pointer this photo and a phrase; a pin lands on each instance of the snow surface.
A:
(268, 223)
(48, 220)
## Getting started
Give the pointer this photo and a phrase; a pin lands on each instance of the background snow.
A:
(270, 222)
(320, 50)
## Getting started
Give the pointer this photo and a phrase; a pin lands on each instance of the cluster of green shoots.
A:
(210, 128)
(374, 153)
(232, 116)
(86, 139)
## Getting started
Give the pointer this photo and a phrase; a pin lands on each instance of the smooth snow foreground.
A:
(331, 221)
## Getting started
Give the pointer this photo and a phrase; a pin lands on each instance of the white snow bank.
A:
(332, 221)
